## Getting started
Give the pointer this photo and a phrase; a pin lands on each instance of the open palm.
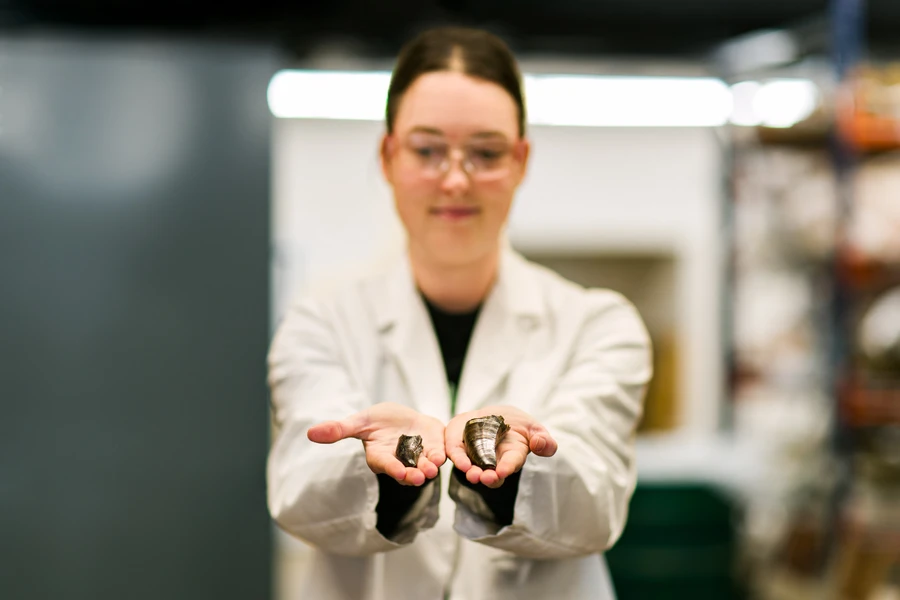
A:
(379, 427)
(525, 436)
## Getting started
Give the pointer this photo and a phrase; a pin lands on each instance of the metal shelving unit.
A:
(866, 549)
(831, 529)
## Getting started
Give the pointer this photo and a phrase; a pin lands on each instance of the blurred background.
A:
(171, 174)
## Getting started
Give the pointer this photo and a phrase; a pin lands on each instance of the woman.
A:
(460, 327)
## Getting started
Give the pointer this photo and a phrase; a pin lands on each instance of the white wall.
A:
(330, 208)
(639, 190)
(589, 190)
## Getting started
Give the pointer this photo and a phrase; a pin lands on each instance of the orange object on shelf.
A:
(860, 272)
(871, 406)
(868, 113)
(871, 132)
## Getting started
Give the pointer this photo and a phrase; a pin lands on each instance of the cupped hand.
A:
(525, 436)
(380, 427)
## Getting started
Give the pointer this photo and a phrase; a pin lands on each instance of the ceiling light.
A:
(591, 101)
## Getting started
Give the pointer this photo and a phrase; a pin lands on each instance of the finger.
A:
(453, 443)
(491, 479)
(389, 465)
(428, 468)
(413, 476)
(510, 462)
(330, 432)
(460, 459)
(543, 445)
(473, 475)
(437, 456)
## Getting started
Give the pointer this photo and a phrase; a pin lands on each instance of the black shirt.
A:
(453, 331)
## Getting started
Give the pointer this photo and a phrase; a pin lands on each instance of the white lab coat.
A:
(577, 360)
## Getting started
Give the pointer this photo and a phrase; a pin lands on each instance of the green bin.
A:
(680, 543)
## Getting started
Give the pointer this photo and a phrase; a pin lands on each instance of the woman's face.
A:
(454, 162)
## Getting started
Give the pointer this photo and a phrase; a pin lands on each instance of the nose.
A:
(456, 181)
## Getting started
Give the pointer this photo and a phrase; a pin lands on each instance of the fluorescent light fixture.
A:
(785, 102)
(743, 94)
(775, 103)
(627, 101)
(551, 99)
(346, 95)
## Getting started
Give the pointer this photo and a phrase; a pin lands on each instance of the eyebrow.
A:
(480, 135)
(429, 130)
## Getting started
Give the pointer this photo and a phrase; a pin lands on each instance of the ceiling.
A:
(682, 28)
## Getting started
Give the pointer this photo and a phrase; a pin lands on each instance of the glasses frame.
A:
(459, 154)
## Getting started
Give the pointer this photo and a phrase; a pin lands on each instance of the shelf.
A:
(870, 406)
(815, 132)
(868, 114)
(871, 133)
(861, 273)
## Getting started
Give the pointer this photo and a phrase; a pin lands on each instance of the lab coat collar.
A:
(512, 311)
(516, 291)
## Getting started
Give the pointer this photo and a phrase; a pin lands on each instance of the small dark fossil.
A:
(409, 447)
(481, 437)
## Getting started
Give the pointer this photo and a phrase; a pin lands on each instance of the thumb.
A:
(330, 432)
(542, 444)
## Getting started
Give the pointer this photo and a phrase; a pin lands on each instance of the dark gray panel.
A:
(134, 296)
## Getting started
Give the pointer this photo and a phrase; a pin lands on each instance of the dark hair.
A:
(471, 51)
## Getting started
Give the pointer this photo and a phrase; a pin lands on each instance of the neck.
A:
(455, 288)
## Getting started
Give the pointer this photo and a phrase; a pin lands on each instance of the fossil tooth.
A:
(481, 437)
(409, 447)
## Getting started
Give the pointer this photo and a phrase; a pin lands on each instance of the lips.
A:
(454, 212)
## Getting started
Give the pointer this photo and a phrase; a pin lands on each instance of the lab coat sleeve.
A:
(576, 502)
(325, 494)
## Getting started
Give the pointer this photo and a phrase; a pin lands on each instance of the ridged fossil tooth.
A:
(481, 437)
(409, 447)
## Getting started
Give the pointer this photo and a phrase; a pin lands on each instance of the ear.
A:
(522, 154)
(385, 154)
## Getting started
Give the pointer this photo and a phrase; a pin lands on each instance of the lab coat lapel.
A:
(508, 318)
(409, 340)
